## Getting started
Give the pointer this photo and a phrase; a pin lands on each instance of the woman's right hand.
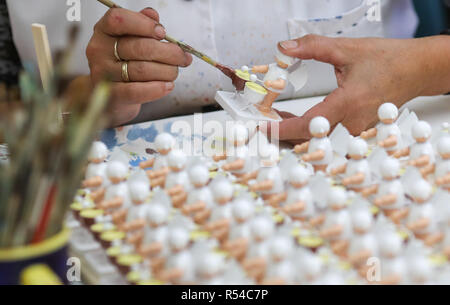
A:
(152, 64)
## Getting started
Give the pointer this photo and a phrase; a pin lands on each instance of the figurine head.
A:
(199, 175)
(176, 160)
(139, 191)
(420, 269)
(421, 191)
(164, 143)
(157, 215)
(443, 147)
(116, 172)
(311, 265)
(98, 152)
(319, 127)
(270, 155)
(362, 221)
(337, 198)
(387, 113)
(281, 247)
(237, 134)
(283, 60)
(357, 149)
(421, 131)
(242, 210)
(222, 191)
(298, 176)
(178, 239)
(262, 228)
(212, 265)
(390, 244)
(390, 168)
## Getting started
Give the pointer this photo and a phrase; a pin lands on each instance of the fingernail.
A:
(160, 32)
(170, 86)
(289, 44)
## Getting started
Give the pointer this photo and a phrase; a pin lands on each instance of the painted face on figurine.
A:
(98, 152)
(176, 160)
(421, 191)
(116, 172)
(387, 113)
(164, 143)
(319, 127)
(357, 149)
(421, 131)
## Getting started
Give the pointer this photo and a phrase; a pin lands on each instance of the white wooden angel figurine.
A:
(136, 215)
(387, 133)
(177, 182)
(96, 169)
(117, 194)
(442, 172)
(393, 267)
(319, 151)
(281, 269)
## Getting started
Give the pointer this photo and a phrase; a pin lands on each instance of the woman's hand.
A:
(152, 64)
(369, 72)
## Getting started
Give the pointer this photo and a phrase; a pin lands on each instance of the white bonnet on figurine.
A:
(164, 141)
(212, 263)
(288, 60)
(178, 238)
(176, 158)
(199, 174)
(390, 168)
(237, 132)
(421, 130)
(319, 125)
(337, 197)
(387, 111)
(222, 189)
(298, 174)
(270, 153)
(262, 227)
(421, 190)
(281, 247)
(242, 209)
(362, 220)
(357, 147)
(139, 191)
(98, 151)
(443, 145)
(116, 169)
(390, 244)
(157, 214)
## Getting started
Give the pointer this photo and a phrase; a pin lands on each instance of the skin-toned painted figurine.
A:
(422, 216)
(200, 198)
(137, 213)
(337, 227)
(388, 133)
(269, 181)
(442, 172)
(319, 151)
(180, 265)
(281, 270)
(177, 181)
(275, 80)
(393, 269)
(262, 229)
(96, 170)
(299, 204)
(357, 174)
(117, 194)
(421, 153)
(240, 234)
(364, 243)
(164, 143)
(153, 242)
(221, 217)
(390, 195)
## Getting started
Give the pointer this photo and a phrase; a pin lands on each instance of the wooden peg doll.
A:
(96, 169)
(164, 144)
(442, 172)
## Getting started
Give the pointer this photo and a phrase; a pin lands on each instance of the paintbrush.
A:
(238, 82)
